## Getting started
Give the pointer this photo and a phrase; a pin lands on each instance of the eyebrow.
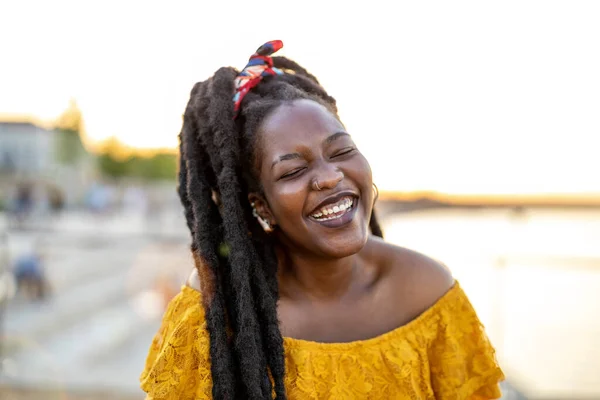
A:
(294, 156)
(286, 157)
(335, 136)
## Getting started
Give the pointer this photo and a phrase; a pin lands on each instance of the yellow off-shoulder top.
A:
(442, 354)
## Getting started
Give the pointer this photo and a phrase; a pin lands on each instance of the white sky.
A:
(459, 97)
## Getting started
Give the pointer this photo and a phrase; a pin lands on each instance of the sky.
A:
(456, 97)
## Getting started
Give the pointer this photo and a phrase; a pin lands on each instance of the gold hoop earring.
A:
(376, 190)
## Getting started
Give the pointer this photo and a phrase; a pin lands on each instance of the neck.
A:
(304, 275)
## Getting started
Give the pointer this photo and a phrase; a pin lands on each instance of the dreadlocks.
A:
(234, 257)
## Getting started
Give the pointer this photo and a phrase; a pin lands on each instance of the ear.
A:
(262, 207)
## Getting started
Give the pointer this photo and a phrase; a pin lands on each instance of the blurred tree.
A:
(111, 167)
(161, 166)
(70, 128)
(117, 161)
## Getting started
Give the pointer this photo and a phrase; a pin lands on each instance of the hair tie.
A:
(259, 66)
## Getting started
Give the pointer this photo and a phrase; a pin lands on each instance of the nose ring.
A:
(316, 185)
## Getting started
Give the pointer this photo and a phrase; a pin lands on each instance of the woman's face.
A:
(302, 145)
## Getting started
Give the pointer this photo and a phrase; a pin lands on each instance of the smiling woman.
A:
(313, 179)
(292, 296)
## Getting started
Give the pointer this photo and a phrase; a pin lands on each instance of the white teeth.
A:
(345, 205)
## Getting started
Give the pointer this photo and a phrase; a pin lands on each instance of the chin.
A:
(344, 244)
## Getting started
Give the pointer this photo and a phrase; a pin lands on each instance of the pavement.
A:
(93, 332)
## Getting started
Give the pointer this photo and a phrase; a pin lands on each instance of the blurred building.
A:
(30, 152)
(26, 149)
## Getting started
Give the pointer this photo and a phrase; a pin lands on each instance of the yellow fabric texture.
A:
(442, 354)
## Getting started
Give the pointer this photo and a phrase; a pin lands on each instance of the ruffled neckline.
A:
(422, 320)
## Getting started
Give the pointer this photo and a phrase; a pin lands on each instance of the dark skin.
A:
(336, 284)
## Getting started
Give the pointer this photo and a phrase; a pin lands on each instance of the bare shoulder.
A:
(194, 280)
(415, 279)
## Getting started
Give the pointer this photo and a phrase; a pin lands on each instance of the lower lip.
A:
(341, 221)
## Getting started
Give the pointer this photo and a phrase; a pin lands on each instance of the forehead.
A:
(297, 122)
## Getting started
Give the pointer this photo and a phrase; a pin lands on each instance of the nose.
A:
(328, 177)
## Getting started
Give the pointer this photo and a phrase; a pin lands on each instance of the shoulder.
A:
(413, 278)
(180, 349)
(194, 280)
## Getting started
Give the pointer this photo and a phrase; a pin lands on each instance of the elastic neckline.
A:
(413, 325)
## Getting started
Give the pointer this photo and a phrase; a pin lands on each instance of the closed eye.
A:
(293, 173)
(343, 152)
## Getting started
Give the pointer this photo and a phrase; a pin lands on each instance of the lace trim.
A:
(442, 354)
(424, 319)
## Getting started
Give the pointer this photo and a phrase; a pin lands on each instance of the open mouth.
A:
(334, 210)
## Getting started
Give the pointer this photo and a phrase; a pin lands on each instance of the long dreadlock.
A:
(235, 259)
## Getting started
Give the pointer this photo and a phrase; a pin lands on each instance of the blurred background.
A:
(480, 120)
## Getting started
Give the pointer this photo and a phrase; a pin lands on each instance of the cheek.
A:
(366, 165)
(360, 172)
(287, 201)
